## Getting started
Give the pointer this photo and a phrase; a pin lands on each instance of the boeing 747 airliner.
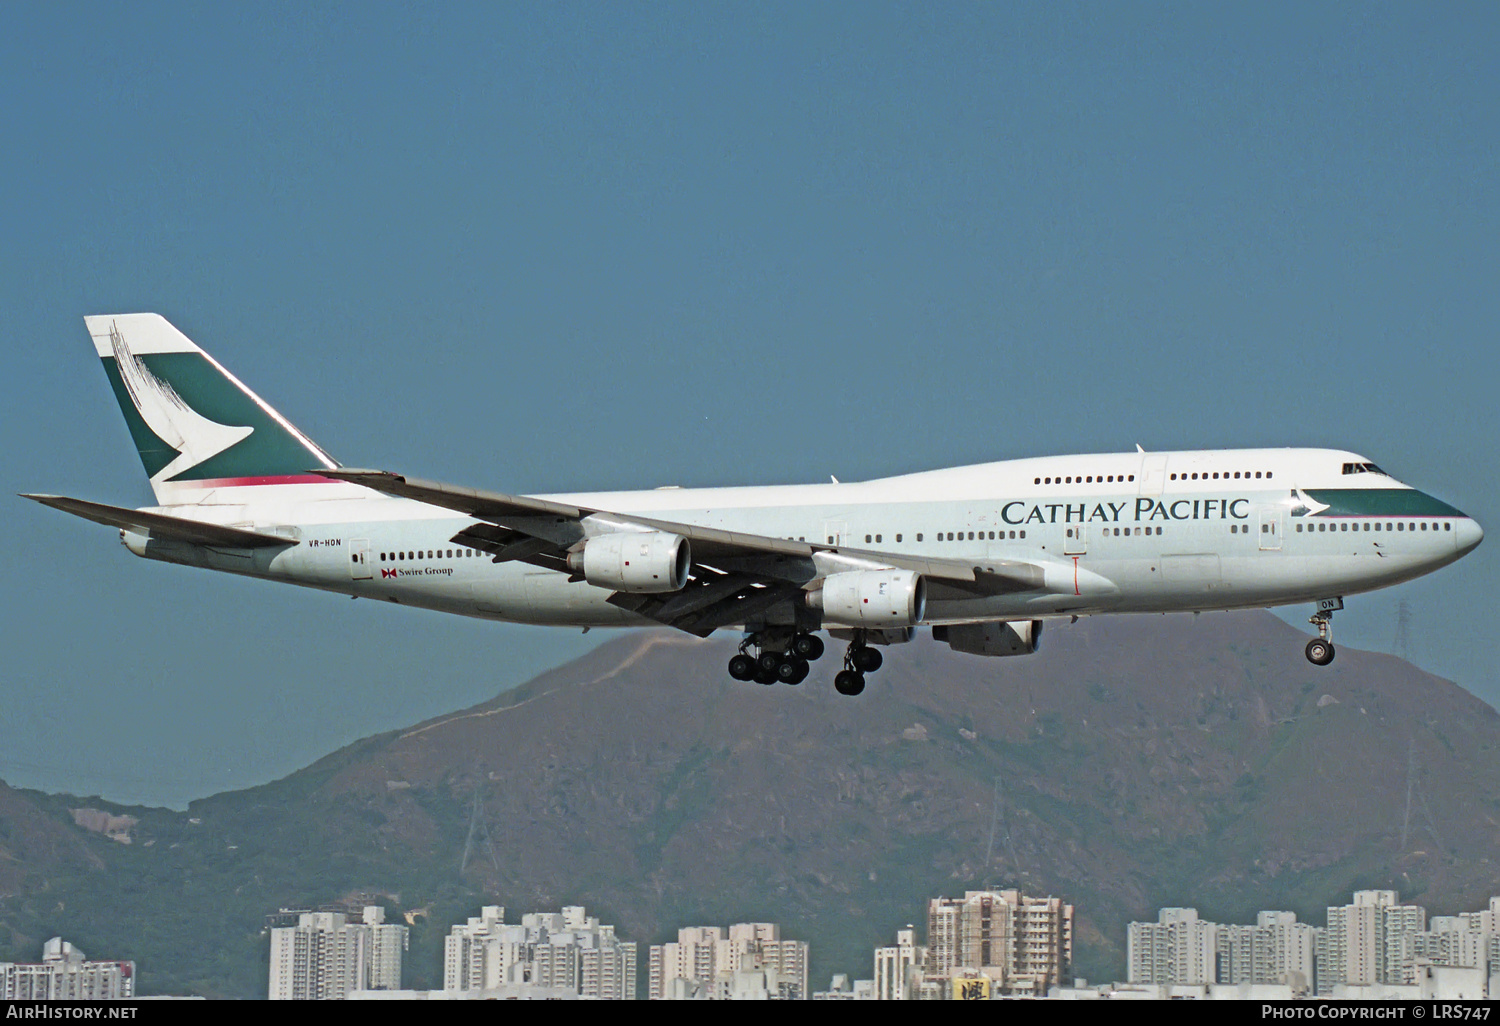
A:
(984, 555)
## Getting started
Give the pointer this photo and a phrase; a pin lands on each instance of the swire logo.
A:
(426, 571)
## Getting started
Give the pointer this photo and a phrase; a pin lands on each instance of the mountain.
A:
(1135, 762)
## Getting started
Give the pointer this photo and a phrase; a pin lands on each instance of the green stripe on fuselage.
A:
(270, 450)
(1379, 502)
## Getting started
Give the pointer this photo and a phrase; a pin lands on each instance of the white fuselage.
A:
(1124, 532)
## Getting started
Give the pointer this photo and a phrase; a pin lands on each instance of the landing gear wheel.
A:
(808, 646)
(742, 667)
(793, 670)
(1320, 652)
(866, 660)
(849, 682)
(764, 676)
(769, 661)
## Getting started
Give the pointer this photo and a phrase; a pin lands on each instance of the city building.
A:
(1022, 945)
(1363, 942)
(567, 951)
(1276, 950)
(65, 974)
(326, 956)
(1179, 948)
(1370, 947)
(840, 988)
(747, 960)
(898, 969)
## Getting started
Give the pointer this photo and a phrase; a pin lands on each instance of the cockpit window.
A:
(1363, 468)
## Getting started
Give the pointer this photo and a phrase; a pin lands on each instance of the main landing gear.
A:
(785, 659)
(784, 655)
(1320, 650)
(859, 660)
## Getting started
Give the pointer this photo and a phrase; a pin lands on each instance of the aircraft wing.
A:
(735, 575)
(160, 525)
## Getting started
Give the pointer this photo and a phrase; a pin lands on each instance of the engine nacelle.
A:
(872, 598)
(639, 563)
(996, 638)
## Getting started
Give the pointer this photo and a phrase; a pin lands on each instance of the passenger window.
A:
(1343, 527)
(898, 537)
(1023, 534)
(867, 539)
(1037, 481)
(1448, 525)
(1257, 473)
(1268, 475)
(919, 536)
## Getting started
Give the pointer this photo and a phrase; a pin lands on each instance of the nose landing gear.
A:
(1320, 650)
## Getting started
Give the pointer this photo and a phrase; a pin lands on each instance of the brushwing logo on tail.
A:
(194, 436)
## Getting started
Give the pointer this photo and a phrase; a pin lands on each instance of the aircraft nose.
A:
(1467, 535)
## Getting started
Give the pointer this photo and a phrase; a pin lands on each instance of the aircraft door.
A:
(1075, 540)
(1270, 530)
(836, 532)
(359, 559)
(1153, 473)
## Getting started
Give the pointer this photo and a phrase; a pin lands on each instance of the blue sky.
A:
(563, 246)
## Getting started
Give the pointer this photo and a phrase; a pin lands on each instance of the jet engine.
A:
(872, 598)
(639, 563)
(996, 638)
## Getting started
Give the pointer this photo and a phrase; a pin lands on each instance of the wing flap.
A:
(160, 525)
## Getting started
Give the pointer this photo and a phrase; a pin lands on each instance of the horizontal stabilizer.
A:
(161, 526)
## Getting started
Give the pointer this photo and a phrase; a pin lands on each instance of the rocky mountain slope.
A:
(1134, 762)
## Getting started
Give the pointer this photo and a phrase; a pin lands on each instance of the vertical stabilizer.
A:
(195, 425)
